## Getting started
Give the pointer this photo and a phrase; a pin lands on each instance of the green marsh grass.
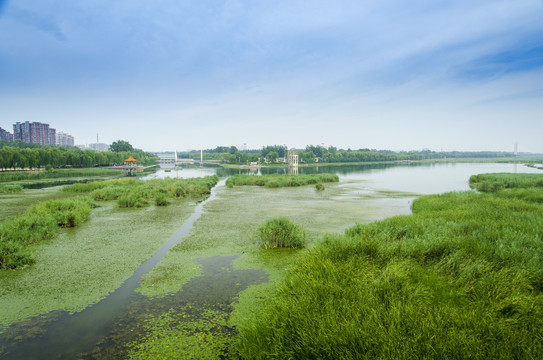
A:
(280, 233)
(131, 192)
(56, 174)
(500, 181)
(38, 223)
(10, 189)
(460, 278)
(277, 181)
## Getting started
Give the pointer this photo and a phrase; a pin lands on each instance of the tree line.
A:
(317, 153)
(35, 156)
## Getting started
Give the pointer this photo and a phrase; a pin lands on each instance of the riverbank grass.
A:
(460, 278)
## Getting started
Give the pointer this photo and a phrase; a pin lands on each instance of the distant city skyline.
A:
(172, 75)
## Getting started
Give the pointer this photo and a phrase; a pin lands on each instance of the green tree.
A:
(272, 156)
(31, 158)
(308, 157)
(121, 145)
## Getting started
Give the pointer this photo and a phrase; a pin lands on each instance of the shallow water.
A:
(61, 335)
(101, 331)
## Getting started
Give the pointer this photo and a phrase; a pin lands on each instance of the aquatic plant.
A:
(280, 232)
(57, 173)
(319, 186)
(499, 181)
(11, 189)
(160, 200)
(132, 199)
(38, 223)
(276, 180)
(131, 192)
(460, 278)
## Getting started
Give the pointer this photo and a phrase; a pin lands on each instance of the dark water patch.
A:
(103, 331)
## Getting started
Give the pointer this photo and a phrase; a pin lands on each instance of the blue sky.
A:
(170, 74)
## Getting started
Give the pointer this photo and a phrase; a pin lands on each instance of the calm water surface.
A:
(414, 178)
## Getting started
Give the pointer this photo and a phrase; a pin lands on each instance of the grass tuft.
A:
(277, 181)
(280, 232)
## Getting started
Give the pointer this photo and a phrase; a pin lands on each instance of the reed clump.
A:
(277, 180)
(11, 189)
(280, 232)
(40, 222)
(460, 278)
(499, 181)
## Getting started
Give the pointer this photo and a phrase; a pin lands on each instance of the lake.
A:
(416, 178)
(220, 238)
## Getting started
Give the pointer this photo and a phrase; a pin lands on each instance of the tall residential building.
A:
(36, 132)
(52, 136)
(21, 131)
(5, 135)
(64, 139)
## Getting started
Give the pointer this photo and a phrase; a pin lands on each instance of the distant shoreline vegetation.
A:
(276, 154)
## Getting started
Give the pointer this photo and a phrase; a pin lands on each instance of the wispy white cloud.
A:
(387, 70)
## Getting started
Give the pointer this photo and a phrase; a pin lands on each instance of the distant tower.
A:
(516, 148)
(201, 157)
(97, 139)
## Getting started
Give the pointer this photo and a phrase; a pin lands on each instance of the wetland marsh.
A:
(161, 318)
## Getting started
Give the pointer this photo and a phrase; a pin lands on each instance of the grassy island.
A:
(278, 181)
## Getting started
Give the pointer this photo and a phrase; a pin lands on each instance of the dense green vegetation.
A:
(56, 174)
(40, 222)
(13, 157)
(131, 192)
(460, 278)
(277, 181)
(500, 181)
(280, 232)
(10, 189)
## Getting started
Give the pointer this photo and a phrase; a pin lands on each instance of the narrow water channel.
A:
(59, 335)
